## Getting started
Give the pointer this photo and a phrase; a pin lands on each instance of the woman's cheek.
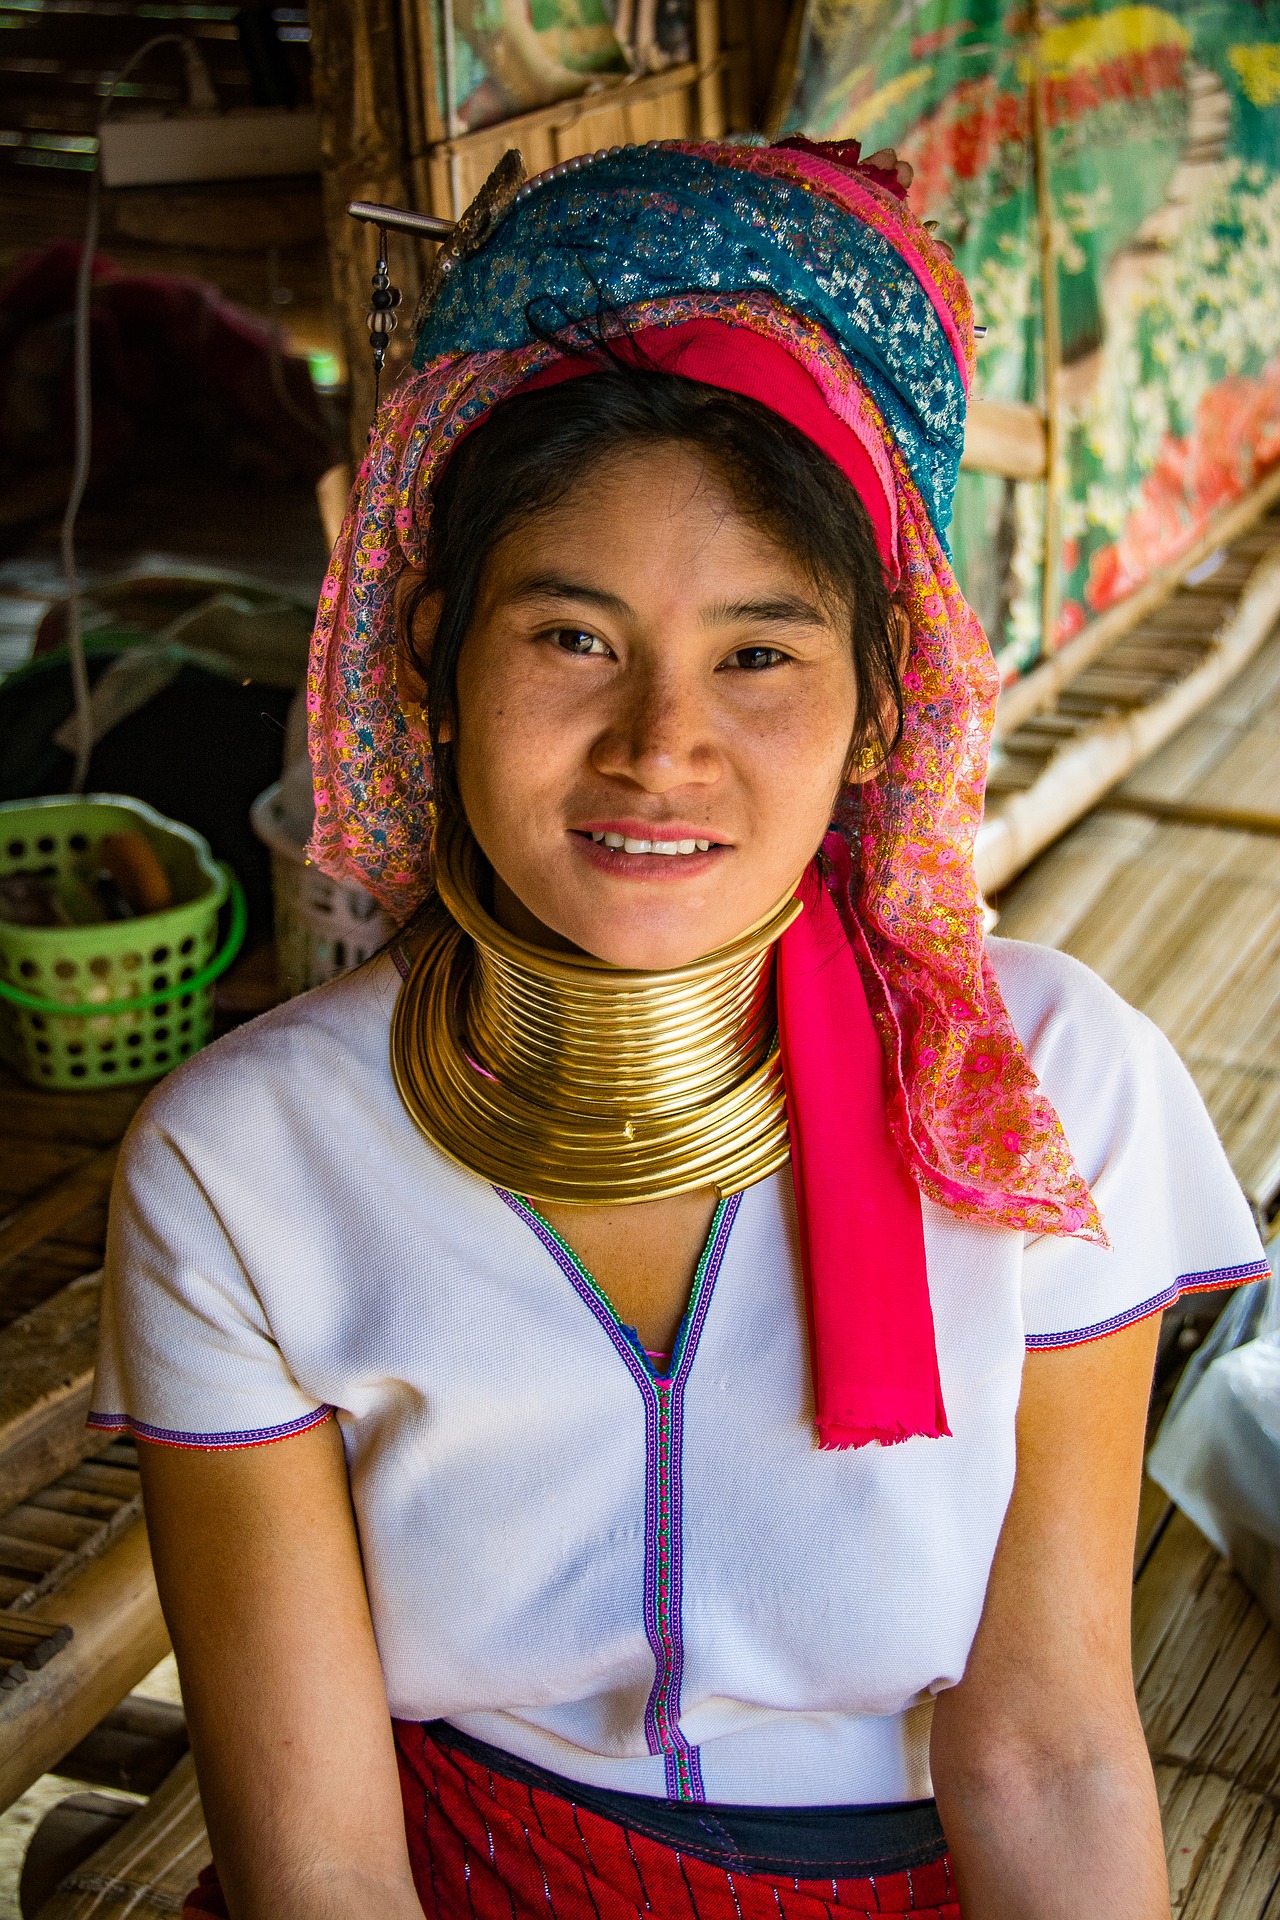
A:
(797, 744)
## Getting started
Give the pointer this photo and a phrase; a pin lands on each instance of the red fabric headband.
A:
(743, 362)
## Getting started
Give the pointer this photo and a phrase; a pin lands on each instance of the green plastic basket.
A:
(127, 999)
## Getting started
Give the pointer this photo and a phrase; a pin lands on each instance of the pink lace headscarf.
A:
(969, 1118)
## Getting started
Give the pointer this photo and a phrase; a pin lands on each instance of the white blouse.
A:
(660, 1585)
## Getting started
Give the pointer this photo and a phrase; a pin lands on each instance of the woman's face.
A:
(646, 669)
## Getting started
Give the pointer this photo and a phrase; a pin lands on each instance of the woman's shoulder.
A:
(1123, 1094)
(1053, 997)
(1141, 1136)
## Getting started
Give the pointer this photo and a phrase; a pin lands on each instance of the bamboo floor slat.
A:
(1207, 1665)
(46, 1375)
(49, 1535)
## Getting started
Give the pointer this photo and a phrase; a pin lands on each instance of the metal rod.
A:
(428, 225)
(1051, 344)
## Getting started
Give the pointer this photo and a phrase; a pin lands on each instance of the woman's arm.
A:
(259, 1572)
(1039, 1763)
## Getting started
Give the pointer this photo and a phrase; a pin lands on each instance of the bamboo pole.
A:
(1051, 343)
(1187, 813)
(148, 1867)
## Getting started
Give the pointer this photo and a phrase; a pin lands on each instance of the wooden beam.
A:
(1007, 438)
(46, 1375)
(118, 1635)
(36, 1219)
(357, 78)
(563, 114)
(148, 1867)
(1041, 687)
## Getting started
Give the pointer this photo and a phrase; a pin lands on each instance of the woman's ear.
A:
(865, 762)
(417, 615)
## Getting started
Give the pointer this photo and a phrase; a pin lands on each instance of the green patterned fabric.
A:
(1164, 169)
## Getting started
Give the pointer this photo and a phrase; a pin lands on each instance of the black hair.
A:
(534, 448)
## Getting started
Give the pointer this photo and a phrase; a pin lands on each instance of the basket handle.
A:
(34, 1003)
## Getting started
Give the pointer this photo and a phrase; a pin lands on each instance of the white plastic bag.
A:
(1217, 1453)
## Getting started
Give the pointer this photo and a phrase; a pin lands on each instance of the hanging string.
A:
(382, 317)
(83, 389)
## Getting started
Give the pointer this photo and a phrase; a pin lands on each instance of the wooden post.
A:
(359, 90)
(1051, 344)
(706, 24)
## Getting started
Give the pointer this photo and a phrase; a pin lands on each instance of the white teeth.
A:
(621, 844)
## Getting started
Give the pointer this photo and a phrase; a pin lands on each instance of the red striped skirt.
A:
(488, 1846)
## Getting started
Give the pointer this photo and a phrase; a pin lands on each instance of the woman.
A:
(704, 1242)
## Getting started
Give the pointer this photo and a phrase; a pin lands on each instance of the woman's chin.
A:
(649, 929)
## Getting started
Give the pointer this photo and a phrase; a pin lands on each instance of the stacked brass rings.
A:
(574, 1082)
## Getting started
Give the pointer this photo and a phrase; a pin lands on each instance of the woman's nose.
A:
(660, 737)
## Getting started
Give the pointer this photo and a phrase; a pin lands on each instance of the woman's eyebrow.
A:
(553, 587)
(787, 609)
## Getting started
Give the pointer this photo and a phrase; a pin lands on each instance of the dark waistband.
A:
(806, 1842)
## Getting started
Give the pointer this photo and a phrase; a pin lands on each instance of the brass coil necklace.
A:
(569, 1080)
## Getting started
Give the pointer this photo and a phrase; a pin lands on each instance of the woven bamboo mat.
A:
(1184, 920)
(1125, 706)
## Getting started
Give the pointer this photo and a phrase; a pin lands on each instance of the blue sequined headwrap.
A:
(615, 230)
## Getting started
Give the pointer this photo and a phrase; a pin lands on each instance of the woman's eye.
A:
(572, 640)
(756, 659)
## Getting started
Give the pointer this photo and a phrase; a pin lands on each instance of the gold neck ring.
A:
(570, 1081)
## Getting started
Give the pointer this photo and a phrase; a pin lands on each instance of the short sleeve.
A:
(186, 1354)
(1175, 1216)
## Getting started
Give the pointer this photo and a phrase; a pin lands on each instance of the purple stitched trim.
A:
(401, 960)
(684, 1774)
(1185, 1283)
(169, 1437)
(664, 1435)
(662, 1711)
